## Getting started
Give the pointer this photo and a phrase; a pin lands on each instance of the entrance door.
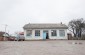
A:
(45, 34)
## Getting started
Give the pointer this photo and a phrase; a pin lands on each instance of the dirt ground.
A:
(51, 47)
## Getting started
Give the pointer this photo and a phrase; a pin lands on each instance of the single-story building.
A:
(45, 31)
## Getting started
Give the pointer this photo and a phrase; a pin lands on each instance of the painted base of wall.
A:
(44, 39)
(41, 38)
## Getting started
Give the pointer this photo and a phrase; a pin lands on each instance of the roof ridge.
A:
(44, 23)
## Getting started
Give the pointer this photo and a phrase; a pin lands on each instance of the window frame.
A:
(30, 33)
(53, 32)
(62, 34)
(38, 33)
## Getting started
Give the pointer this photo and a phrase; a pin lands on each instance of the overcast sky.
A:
(17, 13)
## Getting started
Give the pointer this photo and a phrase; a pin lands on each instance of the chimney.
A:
(29, 23)
(61, 22)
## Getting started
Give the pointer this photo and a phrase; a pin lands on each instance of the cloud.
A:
(17, 13)
(6, 6)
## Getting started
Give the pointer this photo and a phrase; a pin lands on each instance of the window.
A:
(53, 33)
(37, 32)
(29, 32)
(61, 32)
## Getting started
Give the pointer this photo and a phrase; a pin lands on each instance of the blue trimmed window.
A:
(53, 33)
(37, 32)
(62, 32)
(29, 33)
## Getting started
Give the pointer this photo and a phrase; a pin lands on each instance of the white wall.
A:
(33, 37)
(58, 36)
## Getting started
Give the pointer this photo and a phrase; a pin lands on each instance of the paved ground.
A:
(52, 47)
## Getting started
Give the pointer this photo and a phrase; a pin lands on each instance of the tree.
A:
(77, 26)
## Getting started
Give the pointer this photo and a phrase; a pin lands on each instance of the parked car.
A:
(11, 38)
(21, 37)
(16, 38)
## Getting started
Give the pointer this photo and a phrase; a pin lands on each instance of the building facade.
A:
(45, 31)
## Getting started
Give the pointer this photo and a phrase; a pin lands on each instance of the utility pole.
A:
(5, 31)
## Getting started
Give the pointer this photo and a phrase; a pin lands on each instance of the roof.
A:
(3, 33)
(45, 26)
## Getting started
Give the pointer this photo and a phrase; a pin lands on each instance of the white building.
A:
(45, 31)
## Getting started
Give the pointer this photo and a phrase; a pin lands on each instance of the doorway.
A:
(45, 34)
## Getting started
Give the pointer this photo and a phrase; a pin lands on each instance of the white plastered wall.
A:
(33, 37)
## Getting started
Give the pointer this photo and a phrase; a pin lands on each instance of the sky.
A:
(16, 13)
